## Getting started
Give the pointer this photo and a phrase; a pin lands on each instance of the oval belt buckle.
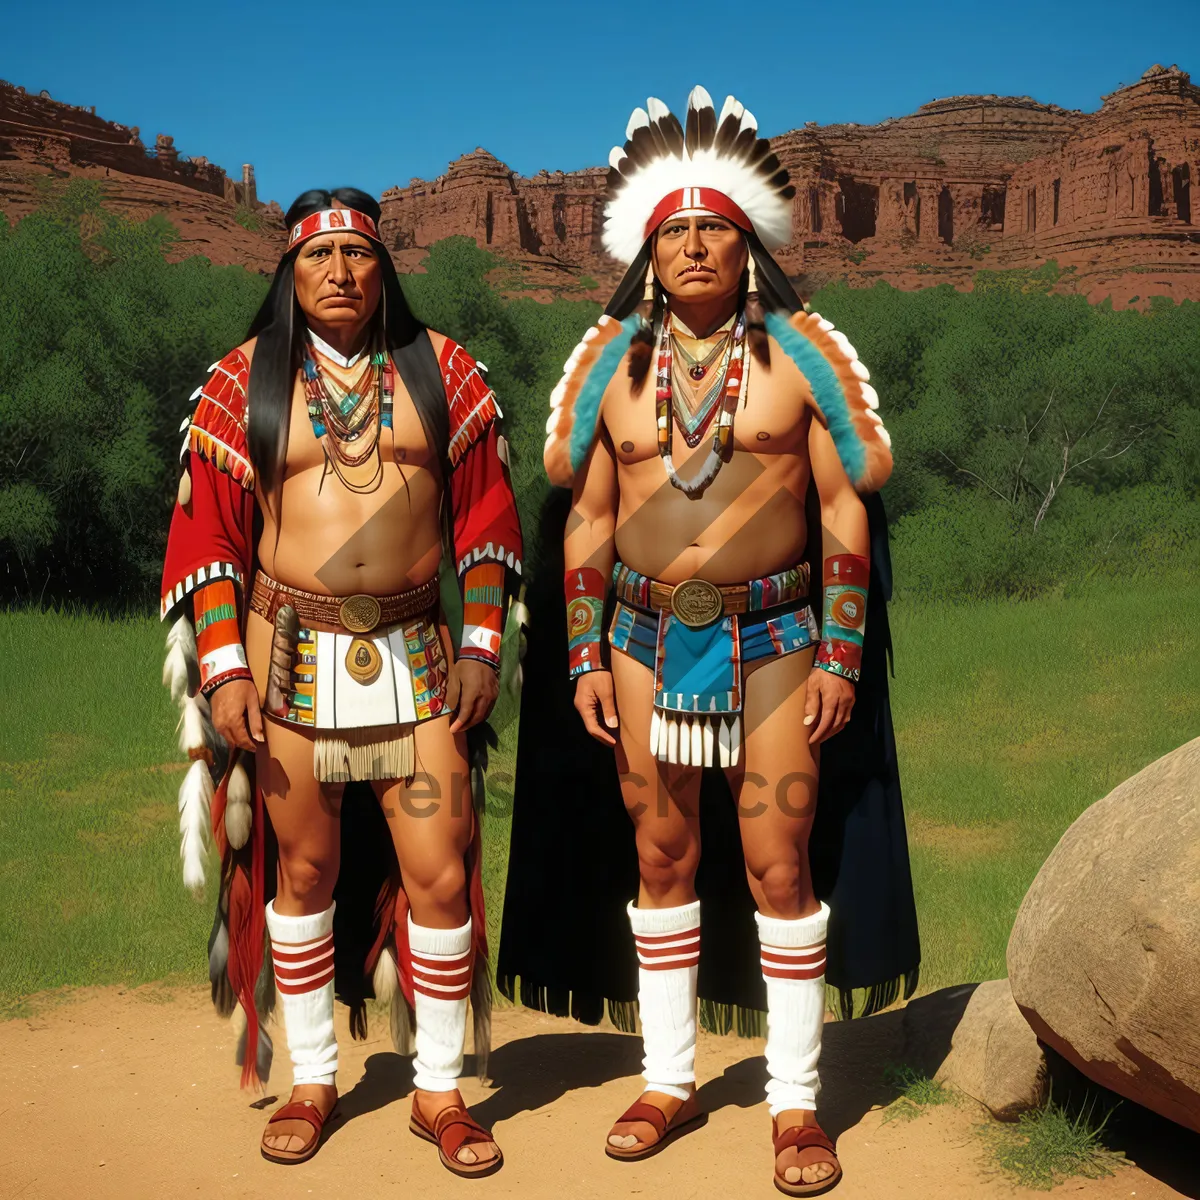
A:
(697, 603)
(360, 614)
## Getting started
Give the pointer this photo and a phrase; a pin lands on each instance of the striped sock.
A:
(793, 966)
(442, 961)
(668, 950)
(302, 951)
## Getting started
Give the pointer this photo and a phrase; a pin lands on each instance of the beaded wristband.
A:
(218, 636)
(483, 602)
(584, 587)
(845, 615)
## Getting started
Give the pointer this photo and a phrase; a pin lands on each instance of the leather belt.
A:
(696, 602)
(356, 614)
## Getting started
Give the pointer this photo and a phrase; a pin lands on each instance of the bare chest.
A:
(404, 444)
(772, 419)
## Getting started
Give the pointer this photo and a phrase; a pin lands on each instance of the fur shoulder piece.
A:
(840, 387)
(575, 402)
(217, 429)
(472, 403)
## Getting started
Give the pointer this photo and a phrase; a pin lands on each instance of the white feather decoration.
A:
(195, 803)
(386, 979)
(238, 816)
(181, 648)
(196, 734)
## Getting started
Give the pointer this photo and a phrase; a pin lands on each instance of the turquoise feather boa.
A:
(827, 391)
(587, 406)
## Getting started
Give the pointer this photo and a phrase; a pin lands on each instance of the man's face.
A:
(699, 257)
(338, 280)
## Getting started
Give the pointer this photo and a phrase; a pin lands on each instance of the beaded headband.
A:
(330, 219)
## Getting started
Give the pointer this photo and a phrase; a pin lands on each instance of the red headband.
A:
(329, 219)
(697, 199)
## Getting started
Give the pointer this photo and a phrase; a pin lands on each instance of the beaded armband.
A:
(584, 587)
(218, 636)
(845, 615)
(483, 602)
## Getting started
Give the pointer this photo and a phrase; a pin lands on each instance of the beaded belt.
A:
(696, 602)
(356, 614)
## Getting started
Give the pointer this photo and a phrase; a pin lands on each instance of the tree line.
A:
(1038, 439)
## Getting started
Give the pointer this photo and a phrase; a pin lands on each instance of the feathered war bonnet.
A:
(717, 164)
(713, 164)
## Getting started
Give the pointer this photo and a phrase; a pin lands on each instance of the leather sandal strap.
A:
(802, 1137)
(299, 1110)
(455, 1128)
(641, 1111)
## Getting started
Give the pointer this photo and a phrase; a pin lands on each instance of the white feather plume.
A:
(196, 734)
(386, 980)
(238, 815)
(181, 648)
(195, 801)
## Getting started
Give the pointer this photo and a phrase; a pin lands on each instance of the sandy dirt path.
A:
(131, 1094)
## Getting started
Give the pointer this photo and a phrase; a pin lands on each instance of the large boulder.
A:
(1104, 958)
(994, 1056)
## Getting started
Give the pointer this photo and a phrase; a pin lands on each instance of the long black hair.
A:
(773, 293)
(279, 326)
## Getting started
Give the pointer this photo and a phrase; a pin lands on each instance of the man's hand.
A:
(236, 714)
(594, 689)
(471, 692)
(827, 704)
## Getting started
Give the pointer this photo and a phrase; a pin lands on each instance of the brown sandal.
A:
(454, 1128)
(688, 1116)
(806, 1137)
(298, 1110)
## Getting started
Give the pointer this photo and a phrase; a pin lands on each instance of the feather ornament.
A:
(846, 403)
(238, 815)
(197, 737)
(575, 401)
(386, 980)
(181, 651)
(195, 799)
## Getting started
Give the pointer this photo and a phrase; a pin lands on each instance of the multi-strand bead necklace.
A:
(727, 390)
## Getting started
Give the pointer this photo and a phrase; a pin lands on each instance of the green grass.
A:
(917, 1093)
(1011, 718)
(90, 885)
(1049, 1145)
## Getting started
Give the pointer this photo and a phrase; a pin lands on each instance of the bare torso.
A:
(332, 540)
(750, 521)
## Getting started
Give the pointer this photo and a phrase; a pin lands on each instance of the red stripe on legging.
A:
(289, 989)
(652, 938)
(813, 972)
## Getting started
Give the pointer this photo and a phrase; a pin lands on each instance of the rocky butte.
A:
(962, 184)
(219, 217)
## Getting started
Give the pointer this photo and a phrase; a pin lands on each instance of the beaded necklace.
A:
(343, 415)
(733, 376)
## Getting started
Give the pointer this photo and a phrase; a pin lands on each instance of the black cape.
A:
(566, 947)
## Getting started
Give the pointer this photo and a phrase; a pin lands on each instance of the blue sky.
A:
(321, 94)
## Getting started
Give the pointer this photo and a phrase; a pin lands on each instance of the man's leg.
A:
(432, 823)
(306, 820)
(662, 801)
(776, 791)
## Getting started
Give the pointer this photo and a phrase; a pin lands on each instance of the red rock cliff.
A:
(962, 184)
(41, 137)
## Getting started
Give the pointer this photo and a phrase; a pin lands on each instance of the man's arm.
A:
(845, 559)
(589, 553)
